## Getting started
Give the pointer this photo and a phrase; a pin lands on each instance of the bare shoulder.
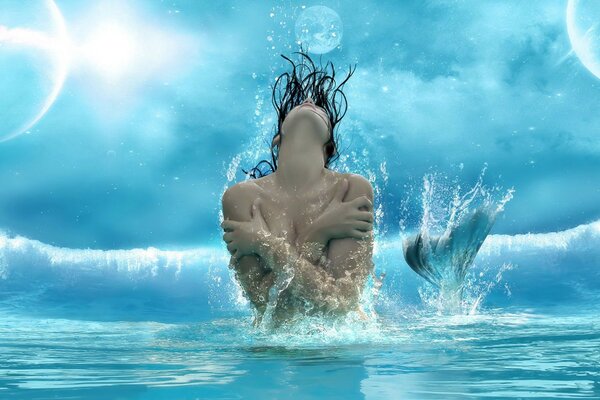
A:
(237, 199)
(358, 186)
(239, 189)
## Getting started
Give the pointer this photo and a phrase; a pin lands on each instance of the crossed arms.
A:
(330, 262)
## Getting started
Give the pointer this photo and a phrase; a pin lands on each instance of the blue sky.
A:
(135, 150)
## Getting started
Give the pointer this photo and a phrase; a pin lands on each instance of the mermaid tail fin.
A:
(446, 258)
(416, 259)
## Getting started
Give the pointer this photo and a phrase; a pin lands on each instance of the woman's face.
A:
(307, 118)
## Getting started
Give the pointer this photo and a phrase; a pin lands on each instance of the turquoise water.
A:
(153, 324)
(127, 120)
(518, 353)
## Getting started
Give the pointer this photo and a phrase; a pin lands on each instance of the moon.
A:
(583, 27)
(34, 61)
(320, 27)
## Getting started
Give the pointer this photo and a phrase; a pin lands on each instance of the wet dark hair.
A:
(321, 87)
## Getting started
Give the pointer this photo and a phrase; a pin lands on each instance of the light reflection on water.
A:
(496, 353)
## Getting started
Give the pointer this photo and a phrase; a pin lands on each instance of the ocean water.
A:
(153, 324)
(123, 122)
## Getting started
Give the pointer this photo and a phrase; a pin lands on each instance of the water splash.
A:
(351, 162)
(319, 330)
(266, 322)
(450, 237)
(306, 319)
(468, 301)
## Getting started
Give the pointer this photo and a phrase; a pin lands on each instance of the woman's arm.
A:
(339, 220)
(250, 271)
(332, 281)
(350, 260)
(307, 263)
(309, 281)
(254, 273)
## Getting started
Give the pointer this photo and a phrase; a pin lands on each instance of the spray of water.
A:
(449, 237)
(282, 281)
(350, 161)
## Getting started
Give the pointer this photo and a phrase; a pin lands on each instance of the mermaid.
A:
(300, 234)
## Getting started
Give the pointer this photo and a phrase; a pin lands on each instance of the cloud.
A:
(498, 95)
(444, 86)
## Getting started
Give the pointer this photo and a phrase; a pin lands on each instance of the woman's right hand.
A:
(343, 219)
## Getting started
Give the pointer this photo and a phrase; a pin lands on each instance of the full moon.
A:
(320, 27)
(583, 20)
(33, 61)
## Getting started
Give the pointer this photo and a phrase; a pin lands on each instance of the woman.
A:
(304, 228)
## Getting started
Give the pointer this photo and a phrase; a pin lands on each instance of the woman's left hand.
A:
(243, 237)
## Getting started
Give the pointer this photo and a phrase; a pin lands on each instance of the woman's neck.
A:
(298, 172)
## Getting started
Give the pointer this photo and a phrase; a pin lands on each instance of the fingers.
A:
(362, 201)
(363, 225)
(357, 234)
(227, 237)
(341, 190)
(363, 216)
(229, 224)
(231, 247)
(236, 254)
